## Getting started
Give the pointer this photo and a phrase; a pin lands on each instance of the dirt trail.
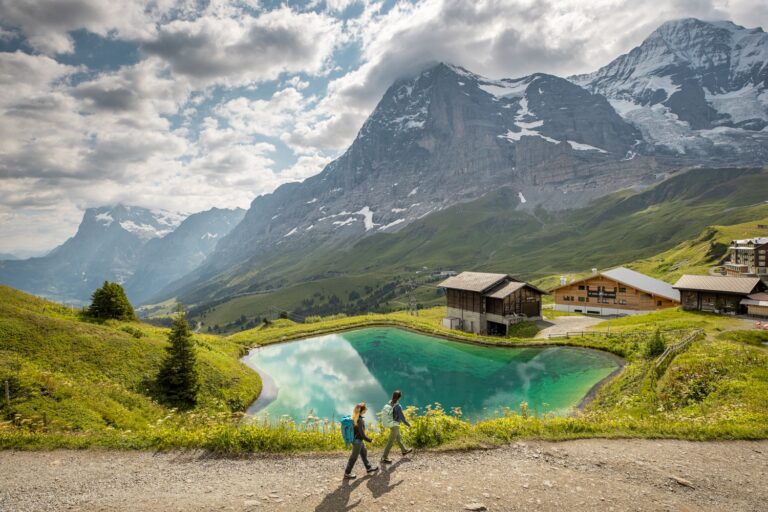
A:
(596, 474)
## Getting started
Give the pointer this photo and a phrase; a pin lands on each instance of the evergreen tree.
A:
(110, 301)
(178, 375)
(655, 346)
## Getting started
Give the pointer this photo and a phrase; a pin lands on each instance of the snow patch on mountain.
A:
(144, 231)
(367, 218)
(291, 232)
(345, 222)
(507, 88)
(743, 104)
(584, 147)
(105, 218)
(391, 224)
(171, 220)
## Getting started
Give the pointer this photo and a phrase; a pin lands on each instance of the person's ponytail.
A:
(357, 412)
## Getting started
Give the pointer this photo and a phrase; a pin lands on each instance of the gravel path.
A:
(563, 324)
(592, 474)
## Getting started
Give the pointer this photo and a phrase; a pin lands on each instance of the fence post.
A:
(7, 393)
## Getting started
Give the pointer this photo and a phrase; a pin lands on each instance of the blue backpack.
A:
(347, 429)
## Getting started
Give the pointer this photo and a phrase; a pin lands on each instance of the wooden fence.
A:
(614, 334)
(672, 350)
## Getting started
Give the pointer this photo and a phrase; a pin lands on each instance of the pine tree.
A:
(110, 301)
(178, 375)
(655, 346)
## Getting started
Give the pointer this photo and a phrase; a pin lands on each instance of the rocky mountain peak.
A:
(141, 222)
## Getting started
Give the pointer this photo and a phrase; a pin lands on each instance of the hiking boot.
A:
(386, 461)
(373, 469)
(406, 452)
(350, 476)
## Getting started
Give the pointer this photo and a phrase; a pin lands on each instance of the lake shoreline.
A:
(270, 388)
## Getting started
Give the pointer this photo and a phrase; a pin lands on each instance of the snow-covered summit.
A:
(694, 68)
(142, 222)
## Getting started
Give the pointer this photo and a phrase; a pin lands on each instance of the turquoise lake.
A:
(327, 375)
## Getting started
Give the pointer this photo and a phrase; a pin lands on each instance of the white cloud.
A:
(266, 117)
(47, 23)
(246, 49)
(113, 137)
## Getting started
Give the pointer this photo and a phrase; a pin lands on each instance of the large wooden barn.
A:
(718, 294)
(486, 303)
(619, 291)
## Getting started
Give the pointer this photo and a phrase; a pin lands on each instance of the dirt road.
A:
(575, 475)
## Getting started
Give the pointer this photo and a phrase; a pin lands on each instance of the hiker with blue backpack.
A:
(353, 432)
(391, 417)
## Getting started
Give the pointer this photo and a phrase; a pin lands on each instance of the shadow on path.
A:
(379, 484)
(338, 500)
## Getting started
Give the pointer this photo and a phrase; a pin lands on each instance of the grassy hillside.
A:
(490, 234)
(698, 255)
(77, 384)
(68, 374)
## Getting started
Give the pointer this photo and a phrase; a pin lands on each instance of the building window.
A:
(622, 289)
(581, 287)
(623, 302)
(581, 299)
(658, 303)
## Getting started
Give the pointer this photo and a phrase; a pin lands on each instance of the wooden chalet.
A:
(619, 291)
(487, 303)
(717, 294)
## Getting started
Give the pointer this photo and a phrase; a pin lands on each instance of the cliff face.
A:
(448, 136)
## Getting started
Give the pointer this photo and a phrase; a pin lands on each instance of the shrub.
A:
(133, 331)
(523, 330)
(655, 346)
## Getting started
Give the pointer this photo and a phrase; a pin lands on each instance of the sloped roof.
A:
(634, 279)
(473, 281)
(643, 282)
(754, 241)
(509, 288)
(736, 285)
(756, 299)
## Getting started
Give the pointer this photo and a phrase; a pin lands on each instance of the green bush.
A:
(133, 331)
(655, 346)
(523, 330)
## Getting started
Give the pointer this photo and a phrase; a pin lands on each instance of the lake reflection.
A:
(328, 375)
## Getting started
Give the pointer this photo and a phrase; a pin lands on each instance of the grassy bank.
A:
(77, 384)
(65, 374)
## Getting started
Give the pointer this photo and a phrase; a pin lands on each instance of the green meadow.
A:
(75, 383)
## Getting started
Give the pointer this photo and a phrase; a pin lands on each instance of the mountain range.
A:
(143, 249)
(693, 94)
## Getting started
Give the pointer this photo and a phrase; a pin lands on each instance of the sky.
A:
(189, 104)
